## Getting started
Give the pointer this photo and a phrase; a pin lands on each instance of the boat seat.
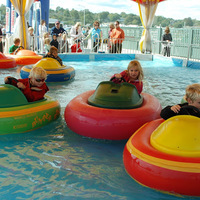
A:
(11, 96)
(116, 96)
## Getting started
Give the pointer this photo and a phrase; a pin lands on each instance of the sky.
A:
(176, 9)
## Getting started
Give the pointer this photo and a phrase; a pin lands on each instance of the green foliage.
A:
(70, 17)
(2, 14)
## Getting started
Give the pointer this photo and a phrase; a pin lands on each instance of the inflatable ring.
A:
(55, 72)
(165, 155)
(18, 115)
(7, 61)
(105, 123)
(26, 57)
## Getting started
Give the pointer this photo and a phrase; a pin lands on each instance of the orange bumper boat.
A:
(7, 61)
(26, 57)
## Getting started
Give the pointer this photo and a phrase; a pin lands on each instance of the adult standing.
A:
(167, 39)
(111, 26)
(76, 33)
(58, 31)
(96, 36)
(117, 37)
(42, 31)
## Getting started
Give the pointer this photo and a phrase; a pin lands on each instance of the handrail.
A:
(129, 45)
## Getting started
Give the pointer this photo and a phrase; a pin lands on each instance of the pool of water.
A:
(55, 163)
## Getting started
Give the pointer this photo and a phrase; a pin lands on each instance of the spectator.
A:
(42, 31)
(117, 37)
(31, 38)
(54, 42)
(76, 33)
(65, 46)
(167, 39)
(58, 31)
(76, 47)
(96, 36)
(47, 45)
(111, 26)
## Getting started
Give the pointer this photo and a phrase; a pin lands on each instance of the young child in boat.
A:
(133, 74)
(53, 53)
(34, 87)
(15, 46)
(192, 107)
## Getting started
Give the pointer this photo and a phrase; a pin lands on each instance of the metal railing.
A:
(186, 42)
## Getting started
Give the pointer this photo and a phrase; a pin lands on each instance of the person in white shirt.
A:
(42, 30)
(76, 33)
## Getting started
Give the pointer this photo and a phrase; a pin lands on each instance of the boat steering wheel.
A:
(122, 79)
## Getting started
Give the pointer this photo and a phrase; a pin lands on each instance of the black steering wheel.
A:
(18, 49)
(12, 81)
(122, 79)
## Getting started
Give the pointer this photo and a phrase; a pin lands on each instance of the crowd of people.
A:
(73, 41)
(81, 37)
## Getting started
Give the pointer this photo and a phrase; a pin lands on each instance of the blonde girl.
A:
(134, 75)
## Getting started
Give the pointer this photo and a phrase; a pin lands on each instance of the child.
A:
(133, 74)
(54, 42)
(31, 38)
(64, 43)
(74, 48)
(33, 87)
(15, 46)
(53, 53)
(47, 45)
(192, 107)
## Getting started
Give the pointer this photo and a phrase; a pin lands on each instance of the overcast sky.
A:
(176, 9)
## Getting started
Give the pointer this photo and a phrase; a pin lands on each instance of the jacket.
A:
(117, 35)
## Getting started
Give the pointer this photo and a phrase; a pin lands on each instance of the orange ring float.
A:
(165, 155)
(105, 123)
(26, 57)
(7, 62)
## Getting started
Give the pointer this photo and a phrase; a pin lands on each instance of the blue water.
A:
(54, 163)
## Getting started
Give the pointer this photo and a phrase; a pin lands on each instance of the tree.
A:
(2, 14)
(75, 15)
(188, 21)
(178, 24)
(114, 17)
(104, 16)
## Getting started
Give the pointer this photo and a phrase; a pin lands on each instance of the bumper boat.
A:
(17, 115)
(26, 57)
(165, 155)
(113, 111)
(55, 72)
(7, 61)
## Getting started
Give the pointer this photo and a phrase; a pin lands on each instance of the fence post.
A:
(159, 39)
(190, 44)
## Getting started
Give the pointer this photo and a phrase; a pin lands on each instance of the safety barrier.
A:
(186, 43)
